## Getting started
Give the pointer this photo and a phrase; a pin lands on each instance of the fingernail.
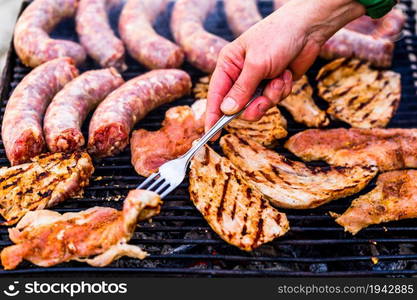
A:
(229, 105)
(263, 107)
(287, 75)
(278, 84)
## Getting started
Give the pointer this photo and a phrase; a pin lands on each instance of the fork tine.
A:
(167, 191)
(147, 181)
(160, 179)
(161, 187)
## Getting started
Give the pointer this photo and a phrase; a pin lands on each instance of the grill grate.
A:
(180, 241)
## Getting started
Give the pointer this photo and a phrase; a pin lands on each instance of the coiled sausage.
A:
(115, 117)
(31, 36)
(70, 107)
(96, 35)
(22, 130)
(142, 42)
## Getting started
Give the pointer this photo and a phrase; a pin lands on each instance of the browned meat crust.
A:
(394, 198)
(241, 15)
(235, 211)
(142, 42)
(47, 238)
(359, 95)
(69, 108)
(292, 184)
(96, 35)
(31, 35)
(115, 117)
(301, 105)
(44, 182)
(151, 149)
(22, 122)
(201, 47)
(388, 149)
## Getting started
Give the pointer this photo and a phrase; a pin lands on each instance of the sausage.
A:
(201, 47)
(241, 15)
(348, 43)
(142, 42)
(115, 117)
(70, 107)
(96, 35)
(31, 36)
(22, 130)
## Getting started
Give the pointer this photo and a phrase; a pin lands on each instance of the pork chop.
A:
(394, 198)
(97, 236)
(44, 182)
(388, 149)
(359, 95)
(234, 210)
(292, 184)
(301, 105)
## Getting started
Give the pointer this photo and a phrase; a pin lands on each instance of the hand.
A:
(281, 47)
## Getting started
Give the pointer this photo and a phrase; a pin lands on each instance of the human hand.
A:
(281, 47)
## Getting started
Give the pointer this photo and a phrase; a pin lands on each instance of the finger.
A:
(257, 109)
(287, 84)
(243, 89)
(227, 70)
(274, 90)
(304, 60)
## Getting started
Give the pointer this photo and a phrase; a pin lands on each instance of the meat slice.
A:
(151, 149)
(183, 125)
(388, 149)
(235, 211)
(44, 182)
(359, 95)
(301, 105)
(292, 184)
(394, 198)
(47, 238)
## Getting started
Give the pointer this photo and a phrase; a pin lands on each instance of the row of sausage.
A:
(366, 39)
(49, 106)
(201, 48)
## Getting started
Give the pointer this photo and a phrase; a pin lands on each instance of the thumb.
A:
(243, 89)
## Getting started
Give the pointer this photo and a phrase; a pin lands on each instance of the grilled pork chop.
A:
(235, 211)
(183, 125)
(292, 184)
(44, 182)
(47, 238)
(151, 149)
(388, 149)
(358, 95)
(394, 198)
(301, 105)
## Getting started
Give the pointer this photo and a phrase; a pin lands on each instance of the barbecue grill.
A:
(180, 241)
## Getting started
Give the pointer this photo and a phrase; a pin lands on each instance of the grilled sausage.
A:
(31, 36)
(22, 130)
(201, 47)
(96, 35)
(142, 42)
(241, 15)
(70, 107)
(122, 109)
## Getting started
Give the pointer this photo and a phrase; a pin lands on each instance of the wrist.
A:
(322, 18)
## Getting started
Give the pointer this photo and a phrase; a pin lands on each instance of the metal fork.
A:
(173, 172)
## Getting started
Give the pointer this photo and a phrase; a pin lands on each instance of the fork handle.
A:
(223, 121)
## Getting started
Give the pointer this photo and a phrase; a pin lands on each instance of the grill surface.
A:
(180, 241)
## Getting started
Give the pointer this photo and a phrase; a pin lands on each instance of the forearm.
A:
(320, 19)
